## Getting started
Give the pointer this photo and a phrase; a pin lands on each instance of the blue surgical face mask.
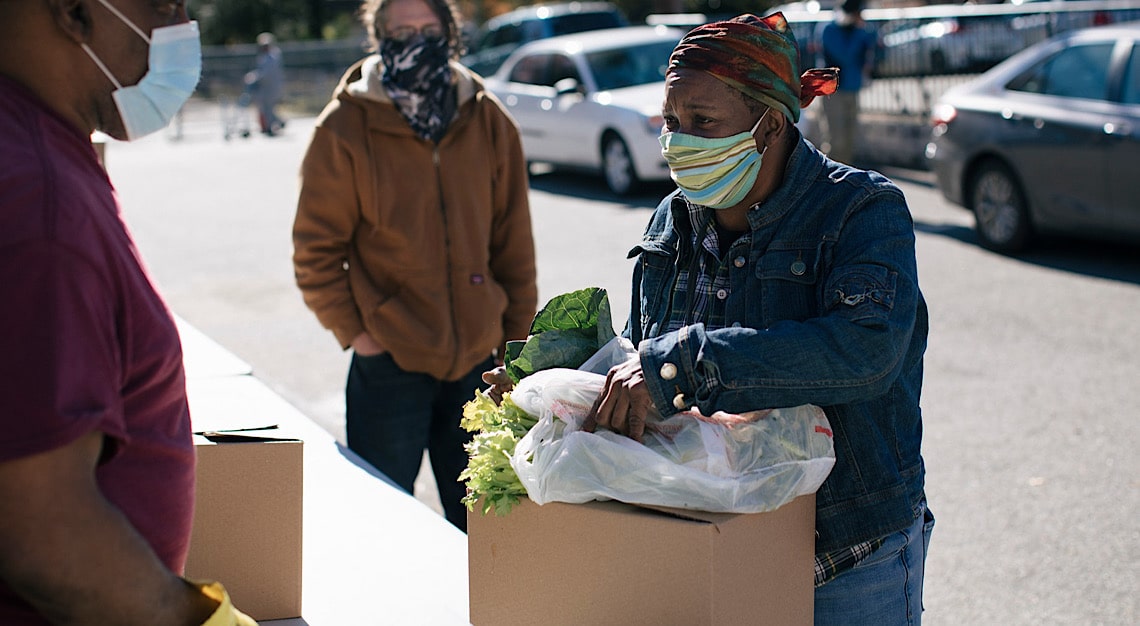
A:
(175, 64)
(716, 172)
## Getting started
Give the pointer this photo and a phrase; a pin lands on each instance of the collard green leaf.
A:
(583, 309)
(554, 348)
(566, 332)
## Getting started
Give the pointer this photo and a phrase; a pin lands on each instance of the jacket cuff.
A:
(667, 363)
(345, 334)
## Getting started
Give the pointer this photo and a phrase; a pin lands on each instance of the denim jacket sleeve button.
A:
(668, 371)
(679, 402)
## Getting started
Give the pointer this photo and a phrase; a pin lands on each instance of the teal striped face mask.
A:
(716, 172)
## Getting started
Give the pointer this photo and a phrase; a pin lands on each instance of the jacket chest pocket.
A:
(789, 284)
(655, 290)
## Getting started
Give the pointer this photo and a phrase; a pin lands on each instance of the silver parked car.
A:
(1047, 141)
(592, 101)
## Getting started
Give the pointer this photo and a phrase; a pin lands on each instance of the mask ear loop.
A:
(119, 14)
(129, 23)
(102, 67)
(757, 126)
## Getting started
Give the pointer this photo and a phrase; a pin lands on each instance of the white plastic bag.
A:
(615, 352)
(747, 463)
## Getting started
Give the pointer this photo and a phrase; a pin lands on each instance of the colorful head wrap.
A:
(757, 56)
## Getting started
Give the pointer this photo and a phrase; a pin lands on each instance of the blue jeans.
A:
(392, 416)
(885, 589)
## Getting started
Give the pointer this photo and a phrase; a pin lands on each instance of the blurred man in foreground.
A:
(96, 455)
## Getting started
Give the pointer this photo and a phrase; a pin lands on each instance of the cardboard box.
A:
(613, 563)
(247, 522)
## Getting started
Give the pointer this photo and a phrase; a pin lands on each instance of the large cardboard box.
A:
(611, 563)
(247, 522)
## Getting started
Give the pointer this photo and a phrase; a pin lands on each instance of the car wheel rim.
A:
(618, 167)
(996, 207)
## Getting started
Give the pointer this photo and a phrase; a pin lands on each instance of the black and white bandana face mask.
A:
(418, 79)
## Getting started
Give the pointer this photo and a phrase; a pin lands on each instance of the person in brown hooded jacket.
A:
(412, 241)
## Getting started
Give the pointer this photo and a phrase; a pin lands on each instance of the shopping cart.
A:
(235, 115)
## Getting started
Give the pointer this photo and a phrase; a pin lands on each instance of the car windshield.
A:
(626, 67)
(578, 22)
(1080, 71)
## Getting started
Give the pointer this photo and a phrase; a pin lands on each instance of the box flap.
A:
(257, 435)
(707, 517)
(212, 408)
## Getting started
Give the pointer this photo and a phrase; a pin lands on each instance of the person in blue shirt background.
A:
(848, 45)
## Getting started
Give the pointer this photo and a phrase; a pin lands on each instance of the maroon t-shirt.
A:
(85, 341)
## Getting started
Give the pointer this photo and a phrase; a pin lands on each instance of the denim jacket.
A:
(823, 308)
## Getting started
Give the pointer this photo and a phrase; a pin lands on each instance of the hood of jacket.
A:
(362, 80)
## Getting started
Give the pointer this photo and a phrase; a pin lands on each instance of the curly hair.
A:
(372, 16)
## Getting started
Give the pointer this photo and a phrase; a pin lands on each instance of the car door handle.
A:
(1009, 116)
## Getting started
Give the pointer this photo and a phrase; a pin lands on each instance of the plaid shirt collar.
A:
(702, 288)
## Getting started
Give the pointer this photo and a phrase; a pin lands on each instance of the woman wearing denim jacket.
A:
(775, 277)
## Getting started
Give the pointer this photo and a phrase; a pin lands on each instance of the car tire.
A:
(617, 166)
(1001, 214)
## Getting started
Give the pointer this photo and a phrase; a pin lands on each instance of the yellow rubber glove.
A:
(226, 614)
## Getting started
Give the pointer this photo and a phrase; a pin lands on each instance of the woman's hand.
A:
(624, 403)
(499, 382)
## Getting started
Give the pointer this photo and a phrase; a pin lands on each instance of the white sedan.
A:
(592, 101)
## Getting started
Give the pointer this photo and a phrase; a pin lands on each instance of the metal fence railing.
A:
(923, 50)
(312, 69)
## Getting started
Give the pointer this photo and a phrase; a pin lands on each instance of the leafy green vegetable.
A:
(481, 414)
(566, 332)
(489, 475)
